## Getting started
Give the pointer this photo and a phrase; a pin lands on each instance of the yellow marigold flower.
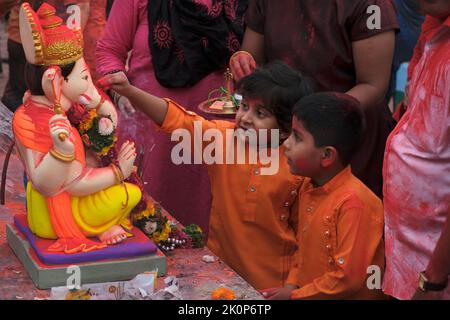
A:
(158, 237)
(85, 126)
(105, 151)
(150, 206)
(93, 113)
(222, 294)
(167, 229)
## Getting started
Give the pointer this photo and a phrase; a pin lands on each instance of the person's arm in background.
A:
(241, 63)
(372, 59)
(6, 5)
(252, 51)
(253, 43)
(112, 50)
(373, 50)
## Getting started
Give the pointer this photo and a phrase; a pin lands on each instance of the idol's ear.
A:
(51, 83)
(31, 34)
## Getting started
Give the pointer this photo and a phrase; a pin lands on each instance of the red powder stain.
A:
(424, 207)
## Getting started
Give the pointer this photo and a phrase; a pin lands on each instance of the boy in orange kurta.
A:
(340, 220)
(253, 215)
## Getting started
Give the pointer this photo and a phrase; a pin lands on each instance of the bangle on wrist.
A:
(113, 71)
(61, 156)
(117, 173)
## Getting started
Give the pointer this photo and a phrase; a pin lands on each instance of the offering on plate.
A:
(225, 103)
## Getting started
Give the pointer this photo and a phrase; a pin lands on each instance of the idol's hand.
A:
(60, 128)
(126, 157)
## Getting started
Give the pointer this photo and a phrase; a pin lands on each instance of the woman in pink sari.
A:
(182, 59)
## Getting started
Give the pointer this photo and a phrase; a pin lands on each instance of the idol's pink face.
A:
(436, 8)
(75, 86)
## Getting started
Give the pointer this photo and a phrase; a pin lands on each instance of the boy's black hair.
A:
(279, 87)
(333, 119)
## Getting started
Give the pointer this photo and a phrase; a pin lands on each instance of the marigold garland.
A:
(87, 123)
(161, 228)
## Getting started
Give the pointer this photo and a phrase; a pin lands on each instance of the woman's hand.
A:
(242, 64)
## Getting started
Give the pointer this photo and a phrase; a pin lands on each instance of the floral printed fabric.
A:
(188, 39)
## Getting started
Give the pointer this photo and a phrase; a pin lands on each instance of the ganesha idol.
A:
(80, 205)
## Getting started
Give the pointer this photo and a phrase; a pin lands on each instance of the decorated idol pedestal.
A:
(82, 190)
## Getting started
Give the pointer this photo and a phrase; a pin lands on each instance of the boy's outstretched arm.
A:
(154, 107)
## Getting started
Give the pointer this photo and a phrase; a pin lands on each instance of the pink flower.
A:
(105, 127)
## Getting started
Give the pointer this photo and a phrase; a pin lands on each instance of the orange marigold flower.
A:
(222, 294)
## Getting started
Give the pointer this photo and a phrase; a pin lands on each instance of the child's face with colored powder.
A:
(304, 158)
(252, 115)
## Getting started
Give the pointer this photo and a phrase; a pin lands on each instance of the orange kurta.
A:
(253, 216)
(339, 236)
